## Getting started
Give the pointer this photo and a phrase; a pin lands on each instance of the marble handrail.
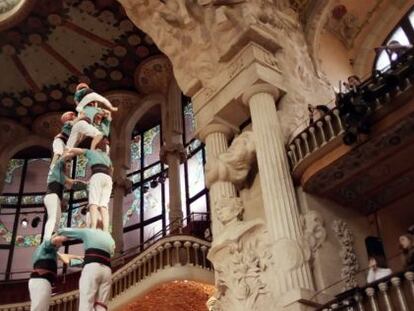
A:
(395, 293)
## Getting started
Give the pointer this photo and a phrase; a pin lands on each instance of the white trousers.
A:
(94, 287)
(100, 187)
(58, 146)
(40, 292)
(81, 128)
(53, 208)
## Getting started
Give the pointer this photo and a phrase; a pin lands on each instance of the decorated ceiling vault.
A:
(56, 44)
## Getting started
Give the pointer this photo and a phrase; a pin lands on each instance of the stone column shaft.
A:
(217, 143)
(175, 213)
(277, 188)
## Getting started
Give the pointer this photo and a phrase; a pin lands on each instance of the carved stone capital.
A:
(211, 128)
(175, 149)
(260, 88)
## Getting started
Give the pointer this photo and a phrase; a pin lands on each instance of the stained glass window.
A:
(403, 33)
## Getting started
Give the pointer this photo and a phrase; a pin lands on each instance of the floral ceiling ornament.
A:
(349, 258)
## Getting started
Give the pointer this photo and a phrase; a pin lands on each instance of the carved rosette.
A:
(235, 164)
(153, 75)
(176, 149)
(48, 125)
(348, 255)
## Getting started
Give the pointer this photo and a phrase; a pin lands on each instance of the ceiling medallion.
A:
(153, 75)
(14, 11)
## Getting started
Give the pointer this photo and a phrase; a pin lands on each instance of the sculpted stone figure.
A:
(314, 232)
(235, 164)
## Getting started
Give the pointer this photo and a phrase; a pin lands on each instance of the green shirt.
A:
(66, 128)
(92, 238)
(46, 250)
(105, 127)
(97, 157)
(91, 112)
(57, 173)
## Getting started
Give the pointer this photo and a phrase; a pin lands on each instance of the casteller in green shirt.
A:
(97, 157)
(92, 238)
(57, 172)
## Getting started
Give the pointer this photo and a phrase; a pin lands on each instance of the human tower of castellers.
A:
(93, 119)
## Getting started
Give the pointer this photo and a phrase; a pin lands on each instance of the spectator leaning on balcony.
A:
(353, 83)
(407, 247)
(377, 269)
(317, 112)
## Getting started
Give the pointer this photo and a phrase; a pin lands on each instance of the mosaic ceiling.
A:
(61, 42)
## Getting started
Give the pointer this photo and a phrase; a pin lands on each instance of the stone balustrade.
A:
(315, 137)
(382, 93)
(171, 251)
(395, 293)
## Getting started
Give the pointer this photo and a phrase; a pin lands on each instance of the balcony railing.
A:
(395, 293)
(383, 93)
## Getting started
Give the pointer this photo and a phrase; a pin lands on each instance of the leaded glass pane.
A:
(151, 229)
(383, 61)
(135, 154)
(132, 203)
(32, 199)
(9, 199)
(7, 216)
(195, 173)
(4, 255)
(36, 175)
(131, 239)
(13, 176)
(152, 145)
(152, 171)
(199, 205)
(152, 202)
(189, 122)
(81, 166)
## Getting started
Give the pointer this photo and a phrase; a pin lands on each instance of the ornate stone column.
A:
(216, 137)
(173, 155)
(173, 152)
(278, 191)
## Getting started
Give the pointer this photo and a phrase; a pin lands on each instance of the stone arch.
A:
(315, 22)
(375, 35)
(124, 135)
(19, 144)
